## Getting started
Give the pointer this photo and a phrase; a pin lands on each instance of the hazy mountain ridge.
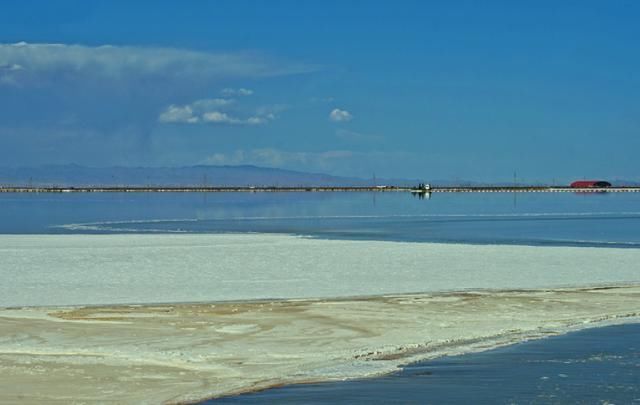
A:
(201, 175)
(212, 176)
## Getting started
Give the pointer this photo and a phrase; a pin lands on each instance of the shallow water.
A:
(604, 220)
(594, 366)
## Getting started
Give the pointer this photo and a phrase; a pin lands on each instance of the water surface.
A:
(609, 219)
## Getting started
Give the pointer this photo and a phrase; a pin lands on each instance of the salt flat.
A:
(52, 270)
(186, 352)
(63, 338)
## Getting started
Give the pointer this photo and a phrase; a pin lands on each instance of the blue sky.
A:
(436, 90)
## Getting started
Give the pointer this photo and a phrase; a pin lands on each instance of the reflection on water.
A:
(536, 218)
(596, 366)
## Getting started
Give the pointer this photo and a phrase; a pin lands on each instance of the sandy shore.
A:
(186, 352)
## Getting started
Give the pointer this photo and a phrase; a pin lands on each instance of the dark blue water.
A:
(610, 219)
(595, 366)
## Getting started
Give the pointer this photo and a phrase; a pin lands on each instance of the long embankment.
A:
(204, 189)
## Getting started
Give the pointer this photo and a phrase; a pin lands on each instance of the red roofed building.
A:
(590, 184)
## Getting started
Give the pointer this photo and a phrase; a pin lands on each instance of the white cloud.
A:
(178, 114)
(338, 115)
(211, 111)
(236, 92)
(33, 63)
(211, 103)
(258, 120)
(217, 117)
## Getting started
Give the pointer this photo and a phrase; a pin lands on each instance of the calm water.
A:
(596, 366)
(611, 219)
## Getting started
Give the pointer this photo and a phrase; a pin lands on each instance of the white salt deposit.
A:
(179, 353)
(46, 270)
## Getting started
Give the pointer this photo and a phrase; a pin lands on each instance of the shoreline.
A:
(321, 189)
(609, 347)
(187, 353)
(425, 356)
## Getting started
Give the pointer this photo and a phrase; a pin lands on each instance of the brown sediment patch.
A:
(179, 353)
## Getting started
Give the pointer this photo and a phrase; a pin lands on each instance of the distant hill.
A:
(74, 175)
(222, 176)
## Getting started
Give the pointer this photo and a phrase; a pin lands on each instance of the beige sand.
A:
(186, 352)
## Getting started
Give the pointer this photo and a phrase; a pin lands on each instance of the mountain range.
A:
(201, 175)
(211, 176)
